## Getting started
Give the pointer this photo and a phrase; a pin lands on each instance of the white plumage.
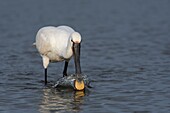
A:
(54, 43)
(59, 44)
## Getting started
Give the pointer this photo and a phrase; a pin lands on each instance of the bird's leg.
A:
(45, 64)
(45, 76)
(65, 69)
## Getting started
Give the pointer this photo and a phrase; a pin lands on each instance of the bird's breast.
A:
(57, 56)
(54, 57)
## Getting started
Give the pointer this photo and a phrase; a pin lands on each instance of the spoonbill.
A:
(57, 44)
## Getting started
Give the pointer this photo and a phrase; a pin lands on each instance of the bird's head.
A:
(76, 40)
(76, 37)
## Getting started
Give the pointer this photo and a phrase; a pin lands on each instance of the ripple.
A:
(125, 52)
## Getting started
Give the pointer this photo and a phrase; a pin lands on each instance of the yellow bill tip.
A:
(79, 85)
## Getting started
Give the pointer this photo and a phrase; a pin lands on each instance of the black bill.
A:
(76, 52)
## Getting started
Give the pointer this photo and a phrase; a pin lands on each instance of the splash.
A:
(70, 80)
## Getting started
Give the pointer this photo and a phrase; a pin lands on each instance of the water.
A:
(125, 52)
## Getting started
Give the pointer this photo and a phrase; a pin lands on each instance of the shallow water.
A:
(125, 52)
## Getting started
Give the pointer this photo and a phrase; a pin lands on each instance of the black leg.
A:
(45, 76)
(65, 69)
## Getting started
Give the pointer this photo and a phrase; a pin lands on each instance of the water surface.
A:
(125, 52)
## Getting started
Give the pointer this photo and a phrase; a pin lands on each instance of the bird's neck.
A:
(68, 51)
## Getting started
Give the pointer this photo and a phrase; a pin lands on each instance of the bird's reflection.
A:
(61, 100)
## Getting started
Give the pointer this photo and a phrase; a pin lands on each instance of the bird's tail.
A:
(34, 44)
